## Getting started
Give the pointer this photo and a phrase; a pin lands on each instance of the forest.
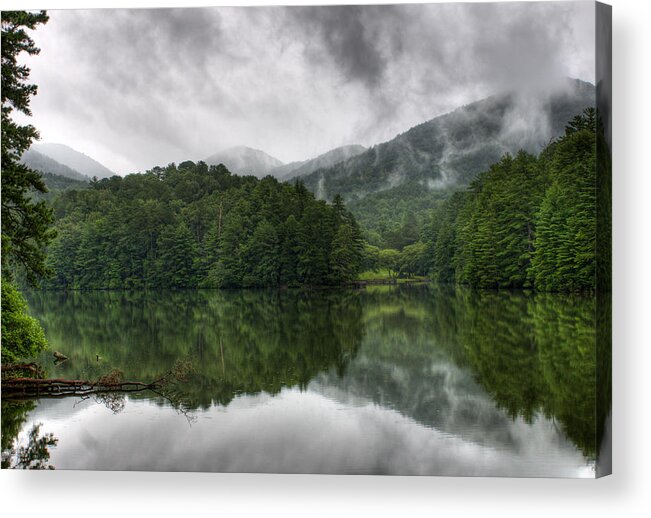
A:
(528, 222)
(191, 225)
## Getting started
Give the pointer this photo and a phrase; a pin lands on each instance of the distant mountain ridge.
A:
(46, 165)
(244, 160)
(328, 159)
(73, 159)
(450, 150)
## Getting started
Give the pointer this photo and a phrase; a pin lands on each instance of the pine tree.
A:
(176, 259)
(344, 259)
(289, 251)
(262, 257)
(25, 223)
(565, 257)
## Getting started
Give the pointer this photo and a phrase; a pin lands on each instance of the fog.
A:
(136, 88)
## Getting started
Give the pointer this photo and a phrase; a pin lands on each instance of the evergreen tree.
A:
(25, 223)
(345, 261)
(289, 252)
(176, 259)
(262, 257)
(315, 236)
(527, 222)
(565, 257)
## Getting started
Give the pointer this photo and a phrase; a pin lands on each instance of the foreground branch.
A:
(29, 387)
(18, 388)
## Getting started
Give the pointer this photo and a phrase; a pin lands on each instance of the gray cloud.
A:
(369, 438)
(134, 88)
(350, 36)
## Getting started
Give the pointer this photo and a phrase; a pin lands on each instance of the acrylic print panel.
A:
(347, 240)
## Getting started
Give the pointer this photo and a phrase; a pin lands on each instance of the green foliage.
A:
(34, 455)
(371, 258)
(346, 257)
(390, 259)
(527, 222)
(56, 184)
(395, 217)
(414, 260)
(495, 228)
(566, 222)
(25, 222)
(441, 241)
(22, 335)
(197, 226)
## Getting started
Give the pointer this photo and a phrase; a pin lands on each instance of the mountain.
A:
(449, 151)
(56, 184)
(332, 157)
(244, 160)
(40, 162)
(73, 159)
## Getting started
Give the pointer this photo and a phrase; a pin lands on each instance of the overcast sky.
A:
(138, 88)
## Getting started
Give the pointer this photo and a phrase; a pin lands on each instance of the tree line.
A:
(528, 222)
(191, 226)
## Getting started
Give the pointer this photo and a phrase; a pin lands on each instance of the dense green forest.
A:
(198, 226)
(396, 217)
(527, 222)
(56, 184)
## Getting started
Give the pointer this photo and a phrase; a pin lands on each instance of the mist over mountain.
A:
(450, 150)
(244, 160)
(40, 162)
(73, 159)
(328, 159)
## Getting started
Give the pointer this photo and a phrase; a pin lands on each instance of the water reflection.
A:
(35, 454)
(403, 379)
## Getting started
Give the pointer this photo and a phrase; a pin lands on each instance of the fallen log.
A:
(36, 387)
(13, 388)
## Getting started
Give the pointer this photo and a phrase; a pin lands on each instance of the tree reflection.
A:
(403, 347)
(35, 454)
(242, 342)
(534, 355)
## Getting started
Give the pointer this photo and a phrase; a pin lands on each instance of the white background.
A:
(626, 493)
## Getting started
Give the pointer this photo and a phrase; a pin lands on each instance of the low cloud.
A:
(135, 88)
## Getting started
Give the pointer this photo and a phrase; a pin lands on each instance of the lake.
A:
(403, 380)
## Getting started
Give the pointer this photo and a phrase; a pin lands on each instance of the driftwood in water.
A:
(31, 387)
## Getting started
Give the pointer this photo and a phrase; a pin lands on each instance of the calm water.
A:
(388, 380)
